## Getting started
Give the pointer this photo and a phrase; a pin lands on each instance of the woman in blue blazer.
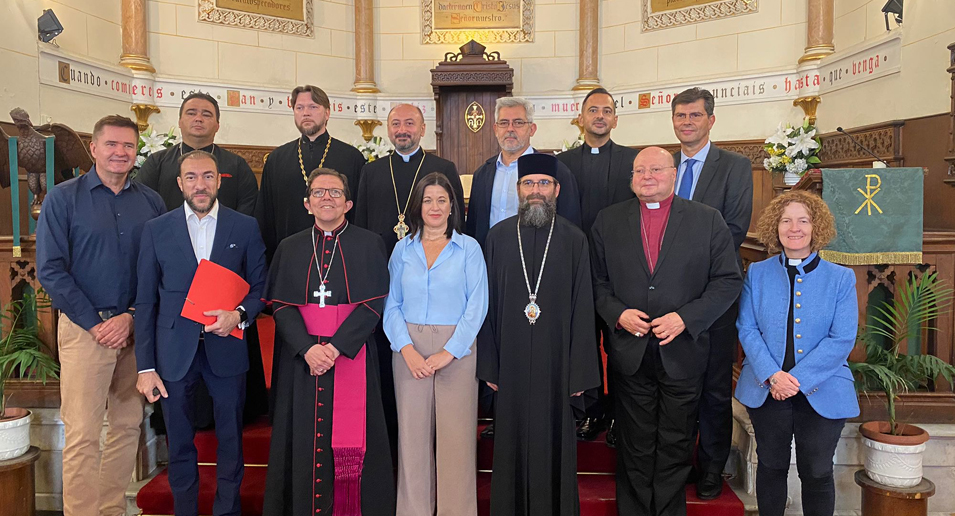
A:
(798, 322)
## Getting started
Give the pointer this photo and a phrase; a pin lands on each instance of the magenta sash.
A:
(348, 409)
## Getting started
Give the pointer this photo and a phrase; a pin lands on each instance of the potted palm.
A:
(893, 449)
(21, 354)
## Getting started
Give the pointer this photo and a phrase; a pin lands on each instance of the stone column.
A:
(818, 31)
(135, 54)
(364, 47)
(589, 34)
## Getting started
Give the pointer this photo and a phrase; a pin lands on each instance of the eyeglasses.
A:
(695, 117)
(653, 171)
(543, 183)
(516, 124)
(318, 193)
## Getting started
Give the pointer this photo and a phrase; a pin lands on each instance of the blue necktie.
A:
(686, 180)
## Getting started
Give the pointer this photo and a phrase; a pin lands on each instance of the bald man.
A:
(659, 308)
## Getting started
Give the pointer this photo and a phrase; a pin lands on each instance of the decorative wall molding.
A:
(656, 18)
(210, 12)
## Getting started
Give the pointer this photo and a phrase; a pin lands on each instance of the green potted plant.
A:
(893, 450)
(21, 353)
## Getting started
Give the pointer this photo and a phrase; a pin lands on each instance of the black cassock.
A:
(375, 204)
(279, 208)
(537, 367)
(301, 473)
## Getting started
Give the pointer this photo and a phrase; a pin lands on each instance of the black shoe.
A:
(709, 487)
(488, 432)
(589, 428)
(611, 435)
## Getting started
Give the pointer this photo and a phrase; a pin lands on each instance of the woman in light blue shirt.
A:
(435, 308)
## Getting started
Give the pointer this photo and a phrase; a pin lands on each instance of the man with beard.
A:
(664, 270)
(389, 181)
(722, 180)
(602, 169)
(327, 285)
(493, 197)
(174, 354)
(536, 348)
(199, 122)
(286, 170)
(87, 241)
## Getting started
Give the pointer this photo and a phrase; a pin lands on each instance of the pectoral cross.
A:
(321, 294)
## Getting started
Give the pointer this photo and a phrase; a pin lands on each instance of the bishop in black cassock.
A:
(308, 472)
(538, 367)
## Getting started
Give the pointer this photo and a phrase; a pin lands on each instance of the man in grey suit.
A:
(723, 180)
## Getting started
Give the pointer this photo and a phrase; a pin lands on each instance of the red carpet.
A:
(595, 461)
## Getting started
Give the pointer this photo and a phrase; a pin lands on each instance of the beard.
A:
(512, 147)
(404, 148)
(201, 209)
(314, 129)
(537, 215)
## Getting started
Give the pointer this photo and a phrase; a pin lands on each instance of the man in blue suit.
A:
(174, 354)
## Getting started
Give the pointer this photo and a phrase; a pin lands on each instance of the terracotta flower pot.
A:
(14, 433)
(893, 460)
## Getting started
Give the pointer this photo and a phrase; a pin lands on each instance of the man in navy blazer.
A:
(494, 185)
(174, 353)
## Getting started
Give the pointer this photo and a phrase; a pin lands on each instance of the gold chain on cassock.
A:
(301, 164)
(401, 229)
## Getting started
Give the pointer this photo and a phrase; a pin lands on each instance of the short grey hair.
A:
(507, 102)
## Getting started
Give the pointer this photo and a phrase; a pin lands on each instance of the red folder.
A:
(214, 287)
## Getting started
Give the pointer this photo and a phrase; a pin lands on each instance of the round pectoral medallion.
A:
(532, 311)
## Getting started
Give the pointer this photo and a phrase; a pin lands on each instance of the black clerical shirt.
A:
(238, 190)
(595, 190)
(789, 359)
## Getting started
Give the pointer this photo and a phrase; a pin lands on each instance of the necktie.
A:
(686, 180)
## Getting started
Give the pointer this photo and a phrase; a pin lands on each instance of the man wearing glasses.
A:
(722, 180)
(493, 196)
(659, 296)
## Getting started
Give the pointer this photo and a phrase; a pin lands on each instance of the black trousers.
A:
(655, 417)
(776, 423)
(716, 403)
(228, 399)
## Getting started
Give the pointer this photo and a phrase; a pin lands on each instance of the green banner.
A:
(878, 214)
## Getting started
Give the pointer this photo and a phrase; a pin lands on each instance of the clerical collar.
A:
(804, 266)
(407, 157)
(335, 231)
(665, 203)
(321, 139)
(597, 150)
(184, 148)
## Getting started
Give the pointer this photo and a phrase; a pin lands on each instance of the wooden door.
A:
(466, 148)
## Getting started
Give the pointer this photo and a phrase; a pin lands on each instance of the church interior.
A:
(874, 80)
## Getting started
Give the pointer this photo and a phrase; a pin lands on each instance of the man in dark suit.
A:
(494, 185)
(602, 169)
(174, 354)
(723, 180)
(664, 269)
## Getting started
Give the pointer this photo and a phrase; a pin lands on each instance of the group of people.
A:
(394, 306)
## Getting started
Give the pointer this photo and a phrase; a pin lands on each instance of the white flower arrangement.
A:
(378, 147)
(150, 141)
(572, 145)
(793, 149)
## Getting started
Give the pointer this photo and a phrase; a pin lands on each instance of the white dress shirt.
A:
(202, 232)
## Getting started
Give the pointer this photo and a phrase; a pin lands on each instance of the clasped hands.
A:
(113, 333)
(665, 327)
(786, 386)
(421, 367)
(321, 358)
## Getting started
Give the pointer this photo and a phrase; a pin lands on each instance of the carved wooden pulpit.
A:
(466, 86)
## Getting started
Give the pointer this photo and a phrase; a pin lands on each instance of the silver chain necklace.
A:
(321, 293)
(532, 311)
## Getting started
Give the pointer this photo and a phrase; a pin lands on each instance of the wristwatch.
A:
(243, 317)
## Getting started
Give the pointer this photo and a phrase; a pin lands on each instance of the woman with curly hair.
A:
(797, 323)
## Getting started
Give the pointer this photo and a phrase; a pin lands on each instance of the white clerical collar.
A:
(406, 157)
(595, 150)
(652, 205)
(794, 261)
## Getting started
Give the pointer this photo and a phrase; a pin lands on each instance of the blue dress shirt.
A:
(504, 201)
(452, 292)
(87, 244)
(700, 158)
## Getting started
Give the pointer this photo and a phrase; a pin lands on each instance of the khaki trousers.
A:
(95, 381)
(437, 431)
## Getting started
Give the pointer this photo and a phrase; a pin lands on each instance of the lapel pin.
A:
(231, 246)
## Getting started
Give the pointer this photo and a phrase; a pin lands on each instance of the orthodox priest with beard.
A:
(329, 452)
(537, 347)
(278, 207)
(386, 184)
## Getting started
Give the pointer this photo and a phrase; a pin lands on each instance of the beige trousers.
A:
(437, 431)
(95, 381)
